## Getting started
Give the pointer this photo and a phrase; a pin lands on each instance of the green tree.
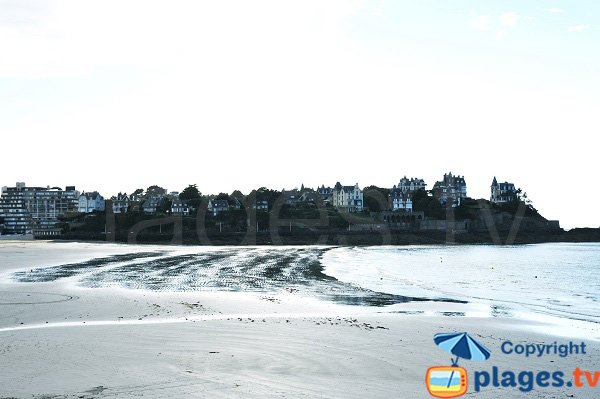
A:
(192, 195)
(423, 201)
(222, 196)
(190, 192)
(376, 198)
(238, 195)
(165, 205)
(265, 194)
(157, 191)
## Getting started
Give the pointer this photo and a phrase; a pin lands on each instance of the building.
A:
(180, 207)
(411, 185)
(291, 197)
(236, 203)
(90, 202)
(261, 205)
(326, 194)
(152, 204)
(14, 211)
(347, 198)
(36, 210)
(308, 197)
(121, 203)
(400, 200)
(135, 197)
(217, 206)
(451, 188)
(502, 193)
(401, 195)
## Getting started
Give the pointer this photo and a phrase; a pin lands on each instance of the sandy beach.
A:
(60, 340)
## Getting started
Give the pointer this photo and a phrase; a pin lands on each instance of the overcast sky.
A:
(116, 95)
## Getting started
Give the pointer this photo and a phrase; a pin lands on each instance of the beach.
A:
(89, 335)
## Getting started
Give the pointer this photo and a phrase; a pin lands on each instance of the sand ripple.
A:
(296, 270)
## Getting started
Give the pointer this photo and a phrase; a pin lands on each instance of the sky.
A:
(118, 95)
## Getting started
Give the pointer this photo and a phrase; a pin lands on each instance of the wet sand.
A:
(62, 340)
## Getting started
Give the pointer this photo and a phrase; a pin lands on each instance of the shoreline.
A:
(345, 238)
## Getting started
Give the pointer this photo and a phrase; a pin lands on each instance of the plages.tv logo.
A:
(452, 381)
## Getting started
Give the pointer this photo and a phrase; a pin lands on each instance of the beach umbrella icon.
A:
(462, 345)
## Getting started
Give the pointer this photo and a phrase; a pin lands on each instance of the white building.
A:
(90, 202)
(400, 200)
(180, 207)
(347, 198)
(502, 193)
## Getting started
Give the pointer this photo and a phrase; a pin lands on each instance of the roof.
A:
(399, 193)
(503, 186)
(339, 187)
(506, 186)
(178, 203)
(450, 180)
(219, 203)
(92, 195)
(412, 180)
(152, 202)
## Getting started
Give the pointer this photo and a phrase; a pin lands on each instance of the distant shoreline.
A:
(346, 238)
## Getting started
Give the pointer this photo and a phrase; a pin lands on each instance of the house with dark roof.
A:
(180, 207)
(151, 204)
(411, 185)
(400, 200)
(502, 193)
(347, 198)
(308, 196)
(451, 188)
(291, 197)
(261, 205)
(121, 203)
(90, 202)
(216, 206)
(326, 194)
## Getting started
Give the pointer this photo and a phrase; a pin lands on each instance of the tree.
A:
(376, 198)
(155, 191)
(139, 191)
(520, 197)
(423, 202)
(222, 196)
(190, 192)
(238, 195)
(265, 194)
(165, 205)
(192, 195)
